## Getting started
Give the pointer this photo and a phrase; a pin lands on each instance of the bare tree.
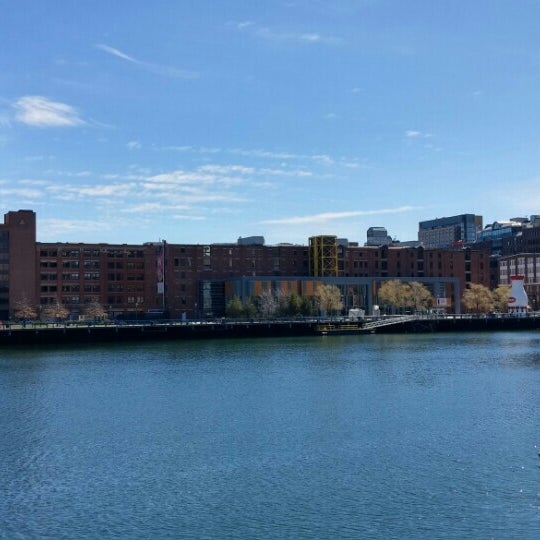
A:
(94, 310)
(25, 310)
(268, 304)
(55, 311)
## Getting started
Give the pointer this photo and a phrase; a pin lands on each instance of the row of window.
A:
(91, 276)
(92, 264)
(71, 288)
(76, 299)
(113, 253)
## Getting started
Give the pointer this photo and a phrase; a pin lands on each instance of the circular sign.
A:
(511, 299)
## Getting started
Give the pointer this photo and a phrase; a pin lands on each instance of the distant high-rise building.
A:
(251, 241)
(378, 236)
(449, 231)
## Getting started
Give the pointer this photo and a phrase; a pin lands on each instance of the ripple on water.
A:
(375, 437)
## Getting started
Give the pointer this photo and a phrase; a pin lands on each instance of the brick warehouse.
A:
(194, 280)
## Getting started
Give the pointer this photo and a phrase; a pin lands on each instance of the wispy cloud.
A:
(319, 159)
(133, 145)
(40, 111)
(21, 193)
(325, 217)
(271, 34)
(152, 207)
(158, 69)
(59, 227)
(117, 53)
(413, 134)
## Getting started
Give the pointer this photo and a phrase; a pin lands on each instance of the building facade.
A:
(449, 231)
(17, 261)
(197, 280)
(526, 240)
(528, 266)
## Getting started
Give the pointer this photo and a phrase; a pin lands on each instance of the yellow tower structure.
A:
(323, 256)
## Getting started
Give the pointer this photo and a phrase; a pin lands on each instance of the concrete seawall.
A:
(106, 333)
(37, 334)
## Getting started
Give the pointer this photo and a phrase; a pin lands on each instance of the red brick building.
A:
(17, 261)
(195, 280)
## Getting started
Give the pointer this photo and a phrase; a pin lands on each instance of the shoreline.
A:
(86, 333)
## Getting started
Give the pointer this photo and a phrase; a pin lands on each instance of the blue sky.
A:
(202, 121)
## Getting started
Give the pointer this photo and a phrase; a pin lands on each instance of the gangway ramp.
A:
(388, 321)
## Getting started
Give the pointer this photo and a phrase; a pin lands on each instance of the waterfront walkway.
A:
(34, 333)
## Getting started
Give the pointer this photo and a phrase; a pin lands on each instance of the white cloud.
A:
(133, 145)
(152, 207)
(74, 192)
(410, 133)
(270, 34)
(42, 112)
(261, 153)
(21, 193)
(324, 159)
(332, 216)
(5, 121)
(310, 37)
(243, 24)
(159, 69)
(57, 227)
(227, 169)
(117, 53)
(187, 217)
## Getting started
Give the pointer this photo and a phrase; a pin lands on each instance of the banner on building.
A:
(160, 269)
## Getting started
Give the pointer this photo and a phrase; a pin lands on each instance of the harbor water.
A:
(400, 436)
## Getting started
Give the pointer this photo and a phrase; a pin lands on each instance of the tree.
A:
(25, 310)
(94, 310)
(500, 298)
(477, 298)
(306, 306)
(328, 298)
(268, 304)
(234, 308)
(282, 303)
(394, 294)
(249, 309)
(419, 295)
(294, 305)
(55, 311)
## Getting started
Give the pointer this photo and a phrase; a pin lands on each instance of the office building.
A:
(454, 231)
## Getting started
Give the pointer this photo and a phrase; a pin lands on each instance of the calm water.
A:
(422, 436)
